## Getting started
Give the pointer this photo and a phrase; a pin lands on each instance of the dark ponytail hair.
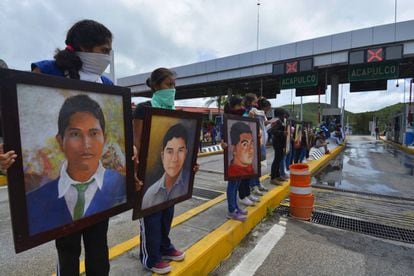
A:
(262, 103)
(84, 34)
(158, 76)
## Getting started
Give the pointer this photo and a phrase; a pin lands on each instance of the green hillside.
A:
(310, 111)
(358, 121)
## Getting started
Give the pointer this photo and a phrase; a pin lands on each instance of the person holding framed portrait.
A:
(279, 143)
(85, 57)
(156, 247)
(233, 107)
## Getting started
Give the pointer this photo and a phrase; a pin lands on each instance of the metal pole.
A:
(319, 105)
(301, 109)
(409, 117)
(404, 110)
(257, 32)
(112, 67)
(343, 113)
(343, 105)
(395, 11)
(395, 20)
(261, 87)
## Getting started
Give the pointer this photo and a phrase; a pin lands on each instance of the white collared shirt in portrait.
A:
(70, 193)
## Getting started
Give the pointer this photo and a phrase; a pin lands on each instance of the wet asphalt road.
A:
(311, 249)
(371, 166)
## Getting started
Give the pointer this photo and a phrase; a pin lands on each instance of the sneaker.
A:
(263, 188)
(275, 181)
(257, 191)
(284, 178)
(161, 267)
(242, 211)
(253, 198)
(247, 202)
(327, 152)
(175, 255)
(236, 216)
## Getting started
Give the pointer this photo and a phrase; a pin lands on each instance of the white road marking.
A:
(252, 261)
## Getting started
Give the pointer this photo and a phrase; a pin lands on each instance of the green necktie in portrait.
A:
(80, 203)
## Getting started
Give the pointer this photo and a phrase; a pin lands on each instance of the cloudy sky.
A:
(153, 33)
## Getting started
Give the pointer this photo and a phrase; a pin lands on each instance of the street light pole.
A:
(257, 31)
(395, 11)
(395, 19)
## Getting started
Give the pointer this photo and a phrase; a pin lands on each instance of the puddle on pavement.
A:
(356, 170)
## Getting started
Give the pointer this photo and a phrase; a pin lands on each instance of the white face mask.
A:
(94, 63)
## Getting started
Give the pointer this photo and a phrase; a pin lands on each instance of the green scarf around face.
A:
(163, 99)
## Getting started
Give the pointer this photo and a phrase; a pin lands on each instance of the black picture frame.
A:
(253, 123)
(161, 126)
(44, 94)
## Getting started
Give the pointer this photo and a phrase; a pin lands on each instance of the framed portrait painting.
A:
(298, 135)
(168, 154)
(242, 155)
(73, 141)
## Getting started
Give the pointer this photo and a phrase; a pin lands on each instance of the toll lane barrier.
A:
(300, 197)
(404, 148)
(315, 154)
(210, 150)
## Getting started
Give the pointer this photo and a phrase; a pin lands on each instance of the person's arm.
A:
(6, 159)
(137, 130)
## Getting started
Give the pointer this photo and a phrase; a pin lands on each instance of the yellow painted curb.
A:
(3, 180)
(206, 254)
(404, 148)
(209, 252)
(201, 154)
(121, 248)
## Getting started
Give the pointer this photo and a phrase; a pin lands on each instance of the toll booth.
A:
(332, 117)
(397, 127)
(408, 138)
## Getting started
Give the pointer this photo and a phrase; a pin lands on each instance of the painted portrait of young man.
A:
(84, 186)
(174, 181)
(243, 139)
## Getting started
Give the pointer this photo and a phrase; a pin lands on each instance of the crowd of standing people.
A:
(85, 57)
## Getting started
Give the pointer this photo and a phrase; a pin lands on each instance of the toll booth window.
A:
(374, 55)
(356, 57)
(393, 52)
(278, 69)
(305, 65)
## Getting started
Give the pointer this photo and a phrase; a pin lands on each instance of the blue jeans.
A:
(232, 187)
(255, 181)
(288, 157)
(302, 154)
